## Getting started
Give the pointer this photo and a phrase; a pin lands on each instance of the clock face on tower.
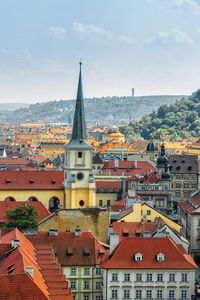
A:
(80, 176)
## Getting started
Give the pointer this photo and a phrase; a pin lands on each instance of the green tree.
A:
(22, 217)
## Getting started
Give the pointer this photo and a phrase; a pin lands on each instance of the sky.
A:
(150, 45)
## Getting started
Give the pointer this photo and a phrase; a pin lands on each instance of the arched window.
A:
(53, 204)
(9, 199)
(32, 199)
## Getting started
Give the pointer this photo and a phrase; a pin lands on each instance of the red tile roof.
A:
(134, 228)
(42, 259)
(105, 186)
(19, 286)
(128, 168)
(149, 248)
(14, 161)
(21, 180)
(66, 240)
(4, 205)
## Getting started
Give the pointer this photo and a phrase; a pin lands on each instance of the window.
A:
(171, 294)
(98, 298)
(186, 185)
(171, 277)
(193, 186)
(159, 203)
(73, 285)
(193, 177)
(186, 177)
(138, 257)
(98, 285)
(98, 271)
(73, 271)
(156, 188)
(178, 185)
(108, 202)
(138, 277)
(149, 277)
(148, 212)
(86, 285)
(183, 294)
(114, 277)
(177, 194)
(159, 277)
(100, 202)
(126, 277)
(184, 277)
(86, 297)
(159, 294)
(178, 177)
(160, 257)
(74, 297)
(126, 294)
(80, 154)
(149, 294)
(86, 271)
(114, 294)
(138, 294)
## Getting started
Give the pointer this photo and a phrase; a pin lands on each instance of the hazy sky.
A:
(151, 45)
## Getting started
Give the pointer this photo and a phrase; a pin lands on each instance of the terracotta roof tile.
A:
(149, 248)
(41, 180)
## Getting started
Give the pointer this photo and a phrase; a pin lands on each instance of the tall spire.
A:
(79, 129)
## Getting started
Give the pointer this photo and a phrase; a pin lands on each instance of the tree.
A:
(22, 217)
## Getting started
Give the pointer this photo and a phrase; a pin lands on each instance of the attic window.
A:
(8, 181)
(160, 257)
(101, 253)
(138, 257)
(86, 251)
(127, 170)
(178, 168)
(53, 181)
(116, 190)
(107, 190)
(31, 181)
(125, 234)
(69, 251)
(189, 168)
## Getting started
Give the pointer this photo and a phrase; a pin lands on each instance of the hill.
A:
(114, 110)
(178, 120)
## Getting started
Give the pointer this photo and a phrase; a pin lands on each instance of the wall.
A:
(97, 220)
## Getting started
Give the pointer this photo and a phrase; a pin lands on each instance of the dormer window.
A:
(138, 257)
(160, 257)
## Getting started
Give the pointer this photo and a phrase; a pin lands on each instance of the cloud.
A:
(57, 32)
(174, 36)
(194, 5)
(92, 29)
(126, 39)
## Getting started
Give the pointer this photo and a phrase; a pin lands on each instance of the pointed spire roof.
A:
(79, 138)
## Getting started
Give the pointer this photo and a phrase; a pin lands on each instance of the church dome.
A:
(152, 147)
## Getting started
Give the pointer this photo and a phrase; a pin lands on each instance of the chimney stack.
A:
(29, 270)
(15, 243)
(114, 241)
(77, 231)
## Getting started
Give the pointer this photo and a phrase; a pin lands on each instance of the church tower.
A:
(79, 184)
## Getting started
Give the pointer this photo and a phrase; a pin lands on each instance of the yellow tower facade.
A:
(79, 183)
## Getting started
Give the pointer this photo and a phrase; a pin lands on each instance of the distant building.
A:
(132, 92)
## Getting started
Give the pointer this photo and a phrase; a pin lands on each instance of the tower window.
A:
(80, 154)
(81, 203)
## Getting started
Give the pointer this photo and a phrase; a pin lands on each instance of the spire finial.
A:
(80, 63)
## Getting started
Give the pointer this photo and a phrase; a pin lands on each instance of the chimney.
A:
(135, 164)
(77, 231)
(114, 241)
(53, 232)
(15, 243)
(29, 270)
(116, 163)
